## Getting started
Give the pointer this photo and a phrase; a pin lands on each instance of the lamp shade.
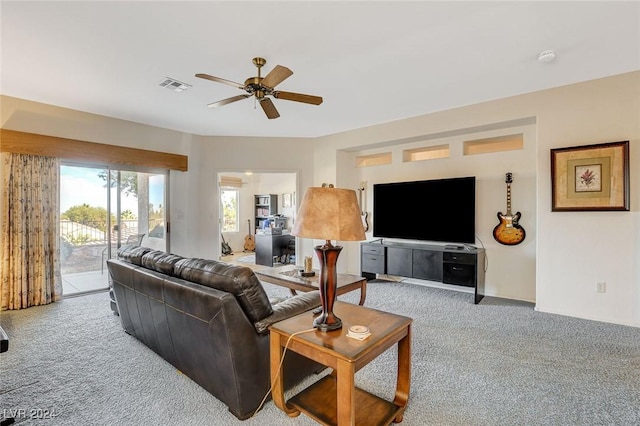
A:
(328, 213)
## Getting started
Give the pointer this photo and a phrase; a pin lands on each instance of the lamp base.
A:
(327, 322)
(328, 283)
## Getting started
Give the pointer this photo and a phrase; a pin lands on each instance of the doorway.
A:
(281, 185)
(101, 209)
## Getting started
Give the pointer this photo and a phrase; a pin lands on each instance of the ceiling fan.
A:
(262, 87)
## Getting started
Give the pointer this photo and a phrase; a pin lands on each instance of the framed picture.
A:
(590, 177)
(286, 200)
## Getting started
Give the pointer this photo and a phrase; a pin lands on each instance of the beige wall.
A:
(572, 250)
(489, 170)
(224, 154)
(33, 117)
(564, 255)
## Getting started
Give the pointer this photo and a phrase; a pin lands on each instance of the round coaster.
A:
(358, 329)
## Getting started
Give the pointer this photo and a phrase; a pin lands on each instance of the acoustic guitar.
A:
(508, 231)
(363, 214)
(249, 242)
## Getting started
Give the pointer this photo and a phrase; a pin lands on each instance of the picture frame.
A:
(590, 177)
(287, 200)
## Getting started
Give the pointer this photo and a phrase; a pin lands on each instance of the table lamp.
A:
(328, 213)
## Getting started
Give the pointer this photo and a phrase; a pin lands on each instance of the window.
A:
(102, 208)
(229, 198)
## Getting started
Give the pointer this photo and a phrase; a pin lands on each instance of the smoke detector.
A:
(173, 84)
(546, 56)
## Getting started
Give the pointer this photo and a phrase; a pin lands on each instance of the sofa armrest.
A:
(291, 307)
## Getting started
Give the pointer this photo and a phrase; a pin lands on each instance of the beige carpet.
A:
(496, 363)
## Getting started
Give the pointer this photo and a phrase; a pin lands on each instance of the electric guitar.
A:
(363, 214)
(226, 248)
(508, 231)
(249, 242)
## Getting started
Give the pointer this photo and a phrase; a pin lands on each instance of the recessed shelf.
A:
(425, 153)
(494, 144)
(373, 160)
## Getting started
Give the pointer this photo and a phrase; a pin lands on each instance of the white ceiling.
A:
(372, 62)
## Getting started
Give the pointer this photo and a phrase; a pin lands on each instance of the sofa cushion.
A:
(132, 253)
(160, 261)
(237, 280)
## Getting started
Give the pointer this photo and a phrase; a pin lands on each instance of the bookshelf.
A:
(265, 205)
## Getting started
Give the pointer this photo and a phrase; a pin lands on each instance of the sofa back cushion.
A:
(160, 261)
(237, 280)
(133, 254)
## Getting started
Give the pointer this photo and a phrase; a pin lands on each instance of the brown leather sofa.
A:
(207, 318)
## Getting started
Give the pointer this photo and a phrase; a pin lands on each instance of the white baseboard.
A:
(426, 283)
(587, 317)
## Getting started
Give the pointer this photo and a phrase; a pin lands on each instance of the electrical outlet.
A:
(601, 287)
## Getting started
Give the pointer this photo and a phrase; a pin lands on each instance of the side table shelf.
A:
(319, 402)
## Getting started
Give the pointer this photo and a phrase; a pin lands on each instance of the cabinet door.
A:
(399, 261)
(372, 259)
(460, 274)
(427, 265)
(264, 250)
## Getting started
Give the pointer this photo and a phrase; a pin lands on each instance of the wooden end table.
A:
(285, 276)
(332, 400)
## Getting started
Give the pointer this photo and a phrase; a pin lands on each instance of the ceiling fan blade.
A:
(221, 80)
(276, 76)
(298, 97)
(227, 101)
(269, 108)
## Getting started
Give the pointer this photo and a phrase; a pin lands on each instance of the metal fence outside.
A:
(94, 232)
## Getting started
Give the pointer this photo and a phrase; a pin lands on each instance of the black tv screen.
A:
(441, 210)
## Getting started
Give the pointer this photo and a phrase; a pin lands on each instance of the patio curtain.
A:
(30, 260)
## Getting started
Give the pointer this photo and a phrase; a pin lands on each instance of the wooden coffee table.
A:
(286, 276)
(333, 399)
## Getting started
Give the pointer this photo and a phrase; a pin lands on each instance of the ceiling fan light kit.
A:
(262, 88)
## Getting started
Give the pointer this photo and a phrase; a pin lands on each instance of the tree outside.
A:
(229, 200)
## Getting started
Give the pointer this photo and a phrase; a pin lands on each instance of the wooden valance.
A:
(230, 182)
(72, 149)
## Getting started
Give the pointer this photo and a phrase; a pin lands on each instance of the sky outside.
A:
(81, 185)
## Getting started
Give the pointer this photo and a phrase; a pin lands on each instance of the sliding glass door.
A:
(101, 209)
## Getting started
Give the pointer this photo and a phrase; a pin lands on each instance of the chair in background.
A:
(291, 252)
(132, 240)
(288, 255)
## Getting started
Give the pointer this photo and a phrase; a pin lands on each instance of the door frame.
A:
(242, 218)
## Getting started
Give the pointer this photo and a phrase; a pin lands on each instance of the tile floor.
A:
(84, 282)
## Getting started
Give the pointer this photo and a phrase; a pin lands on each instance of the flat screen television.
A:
(442, 210)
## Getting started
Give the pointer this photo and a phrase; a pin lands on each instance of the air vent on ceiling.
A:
(173, 84)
